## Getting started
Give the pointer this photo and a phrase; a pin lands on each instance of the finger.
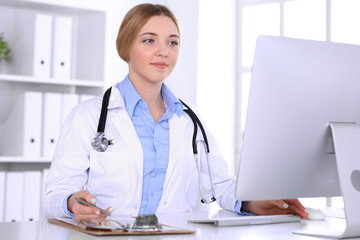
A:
(271, 207)
(77, 207)
(280, 204)
(83, 209)
(87, 196)
(275, 211)
(295, 202)
(72, 203)
(89, 218)
(109, 209)
(298, 210)
(298, 207)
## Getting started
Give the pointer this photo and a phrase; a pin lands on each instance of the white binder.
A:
(32, 195)
(69, 101)
(2, 191)
(62, 47)
(42, 45)
(23, 126)
(32, 44)
(52, 122)
(14, 195)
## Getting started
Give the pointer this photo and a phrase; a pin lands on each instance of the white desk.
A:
(283, 231)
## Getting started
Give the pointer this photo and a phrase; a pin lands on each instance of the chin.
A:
(159, 77)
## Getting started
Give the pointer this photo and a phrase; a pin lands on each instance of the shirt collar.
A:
(131, 97)
(172, 103)
(129, 94)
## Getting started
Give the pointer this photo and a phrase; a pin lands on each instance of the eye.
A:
(173, 43)
(148, 41)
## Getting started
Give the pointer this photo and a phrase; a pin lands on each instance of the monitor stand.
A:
(347, 149)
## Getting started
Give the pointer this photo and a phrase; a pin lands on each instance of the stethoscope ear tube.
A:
(194, 146)
(196, 122)
(103, 114)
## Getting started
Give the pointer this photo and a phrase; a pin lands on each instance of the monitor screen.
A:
(298, 87)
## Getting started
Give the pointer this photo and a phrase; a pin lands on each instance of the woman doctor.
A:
(149, 167)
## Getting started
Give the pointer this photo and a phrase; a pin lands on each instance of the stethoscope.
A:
(100, 143)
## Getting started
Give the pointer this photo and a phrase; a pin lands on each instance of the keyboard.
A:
(225, 218)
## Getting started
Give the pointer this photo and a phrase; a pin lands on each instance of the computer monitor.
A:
(304, 96)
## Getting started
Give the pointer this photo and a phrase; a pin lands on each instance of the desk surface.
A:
(43, 230)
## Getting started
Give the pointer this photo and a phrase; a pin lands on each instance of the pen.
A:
(90, 205)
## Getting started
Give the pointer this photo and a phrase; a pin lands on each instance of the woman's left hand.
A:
(275, 207)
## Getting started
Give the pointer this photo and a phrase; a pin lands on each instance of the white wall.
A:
(217, 72)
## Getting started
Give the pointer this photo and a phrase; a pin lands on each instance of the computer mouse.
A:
(315, 214)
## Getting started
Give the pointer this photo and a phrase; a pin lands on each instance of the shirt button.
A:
(165, 203)
(135, 207)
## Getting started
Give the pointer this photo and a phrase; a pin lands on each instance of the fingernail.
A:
(97, 212)
(285, 205)
(93, 200)
(95, 221)
(111, 209)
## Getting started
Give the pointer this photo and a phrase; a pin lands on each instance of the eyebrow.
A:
(155, 34)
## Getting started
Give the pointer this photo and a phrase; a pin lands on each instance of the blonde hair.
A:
(132, 23)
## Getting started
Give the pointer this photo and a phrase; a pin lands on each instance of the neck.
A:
(150, 92)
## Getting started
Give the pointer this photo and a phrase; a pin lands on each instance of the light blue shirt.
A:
(154, 138)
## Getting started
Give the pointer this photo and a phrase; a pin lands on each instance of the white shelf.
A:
(71, 82)
(16, 159)
(87, 43)
(59, 6)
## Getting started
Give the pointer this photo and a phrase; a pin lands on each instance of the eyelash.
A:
(148, 41)
(172, 43)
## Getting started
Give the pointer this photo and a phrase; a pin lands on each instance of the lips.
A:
(160, 65)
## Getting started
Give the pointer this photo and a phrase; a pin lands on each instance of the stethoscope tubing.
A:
(103, 114)
(196, 121)
(100, 142)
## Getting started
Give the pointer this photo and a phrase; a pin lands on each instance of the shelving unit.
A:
(11, 159)
(87, 55)
(86, 78)
(34, 80)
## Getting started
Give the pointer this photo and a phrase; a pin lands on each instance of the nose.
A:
(162, 50)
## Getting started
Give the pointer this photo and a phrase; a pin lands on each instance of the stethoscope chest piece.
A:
(100, 143)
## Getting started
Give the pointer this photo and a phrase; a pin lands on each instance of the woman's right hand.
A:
(86, 213)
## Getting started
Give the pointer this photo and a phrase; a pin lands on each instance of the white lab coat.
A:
(115, 176)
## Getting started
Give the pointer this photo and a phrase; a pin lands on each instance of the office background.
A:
(214, 67)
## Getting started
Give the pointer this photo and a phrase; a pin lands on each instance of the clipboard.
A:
(73, 224)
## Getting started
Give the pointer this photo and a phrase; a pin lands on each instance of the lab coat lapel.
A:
(127, 132)
(177, 127)
(125, 127)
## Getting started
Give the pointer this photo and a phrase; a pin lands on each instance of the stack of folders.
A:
(31, 131)
(51, 40)
(20, 194)
(33, 126)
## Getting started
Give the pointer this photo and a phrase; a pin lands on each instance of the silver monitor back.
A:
(297, 88)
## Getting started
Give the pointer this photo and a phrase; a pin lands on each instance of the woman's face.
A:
(155, 51)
